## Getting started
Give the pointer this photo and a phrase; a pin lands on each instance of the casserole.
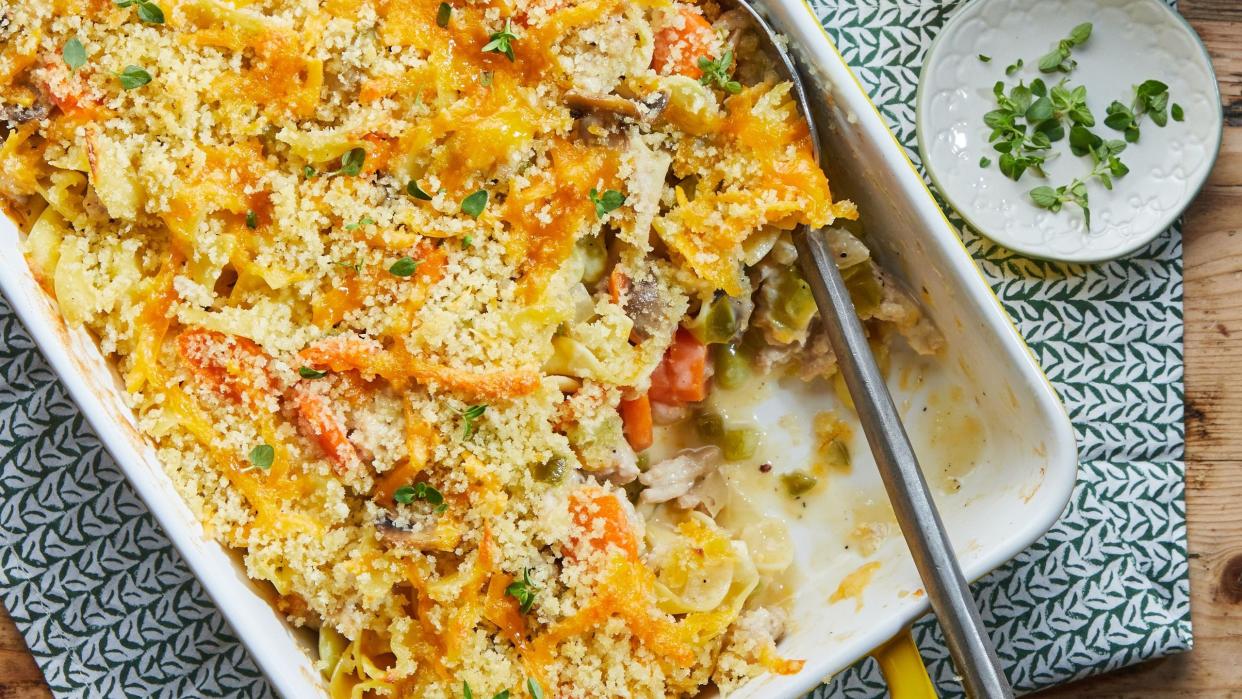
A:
(985, 436)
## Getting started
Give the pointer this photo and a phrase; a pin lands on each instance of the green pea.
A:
(795, 306)
(710, 426)
(738, 444)
(732, 367)
(551, 471)
(865, 289)
(837, 454)
(721, 322)
(798, 483)
(644, 461)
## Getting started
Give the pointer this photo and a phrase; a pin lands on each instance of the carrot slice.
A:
(591, 505)
(682, 376)
(397, 365)
(231, 365)
(636, 417)
(680, 44)
(318, 422)
(618, 284)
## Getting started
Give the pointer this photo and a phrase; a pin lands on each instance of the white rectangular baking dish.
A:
(982, 415)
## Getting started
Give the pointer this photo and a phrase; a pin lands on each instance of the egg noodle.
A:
(404, 292)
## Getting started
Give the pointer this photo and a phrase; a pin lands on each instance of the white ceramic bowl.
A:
(1132, 41)
(993, 424)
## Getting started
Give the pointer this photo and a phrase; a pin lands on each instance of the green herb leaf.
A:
(465, 691)
(417, 192)
(486, 78)
(1177, 112)
(999, 118)
(470, 417)
(364, 221)
(150, 13)
(262, 456)
(1040, 110)
(74, 53)
(716, 73)
(252, 220)
(133, 77)
(352, 161)
(423, 491)
(502, 42)
(1151, 88)
(502, 694)
(1045, 197)
(404, 267)
(474, 204)
(407, 494)
(985, 59)
(1118, 117)
(985, 161)
(1013, 67)
(309, 373)
(1079, 35)
(607, 202)
(1081, 140)
(443, 14)
(308, 172)
(1058, 59)
(532, 686)
(1051, 61)
(467, 241)
(523, 591)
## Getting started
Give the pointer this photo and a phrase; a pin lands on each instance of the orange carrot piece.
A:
(233, 366)
(618, 284)
(397, 365)
(679, 48)
(636, 418)
(341, 352)
(682, 376)
(592, 504)
(319, 423)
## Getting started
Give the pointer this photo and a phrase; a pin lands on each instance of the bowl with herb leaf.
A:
(1071, 130)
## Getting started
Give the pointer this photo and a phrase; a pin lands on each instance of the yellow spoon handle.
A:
(903, 668)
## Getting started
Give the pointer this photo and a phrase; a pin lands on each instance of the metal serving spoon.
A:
(972, 651)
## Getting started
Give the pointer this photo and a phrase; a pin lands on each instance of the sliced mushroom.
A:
(645, 110)
(438, 536)
(588, 103)
(645, 306)
(16, 114)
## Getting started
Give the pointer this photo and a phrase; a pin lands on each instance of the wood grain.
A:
(19, 676)
(1213, 341)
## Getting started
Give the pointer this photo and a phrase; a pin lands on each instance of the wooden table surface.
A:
(1213, 299)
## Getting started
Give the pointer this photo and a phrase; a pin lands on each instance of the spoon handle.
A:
(971, 649)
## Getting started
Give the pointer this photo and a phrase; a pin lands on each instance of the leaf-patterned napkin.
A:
(108, 608)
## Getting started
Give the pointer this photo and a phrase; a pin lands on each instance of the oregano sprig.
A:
(1060, 57)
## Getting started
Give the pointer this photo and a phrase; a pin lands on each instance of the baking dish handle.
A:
(903, 668)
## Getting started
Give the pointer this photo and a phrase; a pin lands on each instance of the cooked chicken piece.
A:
(673, 478)
(665, 414)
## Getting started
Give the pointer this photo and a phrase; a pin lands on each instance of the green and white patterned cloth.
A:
(108, 608)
